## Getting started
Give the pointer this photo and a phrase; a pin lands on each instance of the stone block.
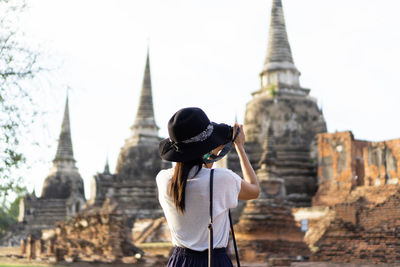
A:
(273, 188)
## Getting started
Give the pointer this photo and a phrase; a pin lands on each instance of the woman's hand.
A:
(240, 139)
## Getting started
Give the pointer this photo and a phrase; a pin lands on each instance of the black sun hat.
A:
(191, 135)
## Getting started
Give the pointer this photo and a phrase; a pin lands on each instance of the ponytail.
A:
(178, 181)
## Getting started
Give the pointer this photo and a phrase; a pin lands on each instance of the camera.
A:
(229, 135)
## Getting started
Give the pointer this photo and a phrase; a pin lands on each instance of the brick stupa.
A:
(133, 185)
(62, 193)
(280, 124)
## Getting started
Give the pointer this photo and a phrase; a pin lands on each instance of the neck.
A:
(208, 166)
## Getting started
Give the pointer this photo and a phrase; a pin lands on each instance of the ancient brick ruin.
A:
(342, 192)
(267, 229)
(133, 188)
(153, 236)
(98, 235)
(325, 196)
(62, 193)
(82, 232)
(133, 185)
(364, 230)
(281, 122)
(346, 163)
(359, 182)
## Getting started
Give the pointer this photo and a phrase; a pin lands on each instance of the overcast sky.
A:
(204, 53)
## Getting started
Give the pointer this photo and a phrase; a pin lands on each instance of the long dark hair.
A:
(178, 181)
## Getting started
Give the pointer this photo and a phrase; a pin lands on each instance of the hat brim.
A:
(193, 151)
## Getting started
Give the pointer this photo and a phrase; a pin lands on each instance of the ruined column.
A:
(30, 248)
(23, 246)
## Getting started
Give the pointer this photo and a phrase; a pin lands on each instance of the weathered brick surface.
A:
(346, 242)
(344, 164)
(267, 229)
(97, 235)
(335, 167)
(363, 231)
(318, 220)
(382, 161)
(358, 181)
(280, 132)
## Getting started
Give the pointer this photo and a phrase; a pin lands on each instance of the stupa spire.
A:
(64, 180)
(278, 43)
(64, 149)
(145, 125)
(106, 167)
(145, 109)
(279, 75)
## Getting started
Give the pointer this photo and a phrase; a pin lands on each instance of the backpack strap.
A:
(234, 239)
(210, 224)
(210, 227)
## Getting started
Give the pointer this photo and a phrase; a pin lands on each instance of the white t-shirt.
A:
(190, 229)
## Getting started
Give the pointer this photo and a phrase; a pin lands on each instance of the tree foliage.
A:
(18, 65)
(9, 215)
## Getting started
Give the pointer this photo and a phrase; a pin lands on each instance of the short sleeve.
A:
(162, 181)
(227, 186)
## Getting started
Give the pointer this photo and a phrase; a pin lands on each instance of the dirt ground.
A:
(6, 258)
(10, 256)
(327, 264)
(12, 261)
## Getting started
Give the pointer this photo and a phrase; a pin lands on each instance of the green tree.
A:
(18, 66)
(9, 215)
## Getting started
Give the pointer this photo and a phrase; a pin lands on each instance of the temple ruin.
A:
(359, 182)
(324, 196)
(131, 190)
(281, 123)
(133, 185)
(98, 235)
(282, 119)
(62, 194)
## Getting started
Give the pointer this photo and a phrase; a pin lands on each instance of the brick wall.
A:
(344, 164)
(364, 231)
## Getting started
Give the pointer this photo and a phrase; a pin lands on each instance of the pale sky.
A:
(208, 54)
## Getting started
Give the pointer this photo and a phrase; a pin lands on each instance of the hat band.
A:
(201, 136)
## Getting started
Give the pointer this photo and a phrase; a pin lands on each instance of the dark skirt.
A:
(184, 257)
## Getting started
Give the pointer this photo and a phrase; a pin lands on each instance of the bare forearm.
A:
(247, 170)
(250, 189)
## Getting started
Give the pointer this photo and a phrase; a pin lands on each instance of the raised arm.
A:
(250, 188)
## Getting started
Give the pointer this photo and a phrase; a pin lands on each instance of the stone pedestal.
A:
(267, 229)
(271, 188)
